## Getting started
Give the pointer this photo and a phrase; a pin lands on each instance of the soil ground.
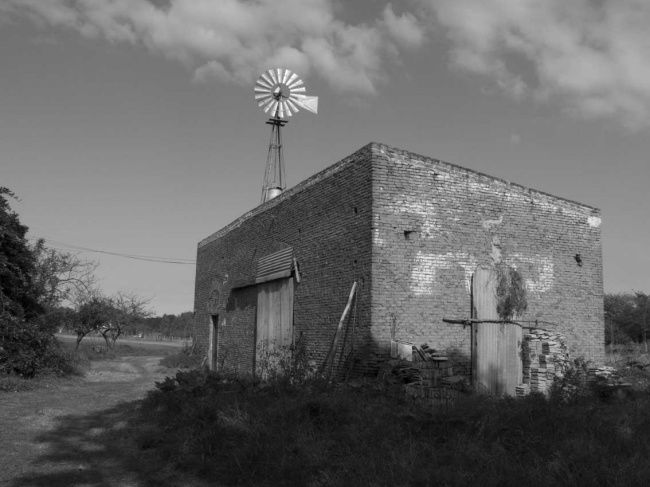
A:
(69, 431)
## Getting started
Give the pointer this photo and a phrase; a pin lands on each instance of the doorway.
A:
(274, 330)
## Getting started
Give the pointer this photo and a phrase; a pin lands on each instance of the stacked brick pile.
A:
(544, 358)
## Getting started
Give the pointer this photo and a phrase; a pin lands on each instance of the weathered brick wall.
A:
(326, 219)
(434, 223)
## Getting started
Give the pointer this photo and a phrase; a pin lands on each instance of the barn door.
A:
(274, 325)
(496, 347)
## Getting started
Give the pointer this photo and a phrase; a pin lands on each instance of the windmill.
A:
(281, 93)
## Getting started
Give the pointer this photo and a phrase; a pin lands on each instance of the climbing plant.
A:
(511, 292)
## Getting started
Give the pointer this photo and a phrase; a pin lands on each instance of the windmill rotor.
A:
(280, 93)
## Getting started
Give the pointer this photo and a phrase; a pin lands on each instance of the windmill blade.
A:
(300, 89)
(271, 73)
(287, 73)
(291, 79)
(287, 109)
(295, 84)
(266, 101)
(267, 78)
(260, 89)
(280, 73)
(293, 106)
(262, 95)
(263, 83)
(274, 107)
(281, 109)
(309, 103)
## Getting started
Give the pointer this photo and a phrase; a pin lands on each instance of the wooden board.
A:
(274, 316)
(496, 347)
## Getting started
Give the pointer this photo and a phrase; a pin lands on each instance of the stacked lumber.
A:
(544, 359)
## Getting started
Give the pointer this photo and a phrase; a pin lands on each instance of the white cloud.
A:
(592, 55)
(234, 40)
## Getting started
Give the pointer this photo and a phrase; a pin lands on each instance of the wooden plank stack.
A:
(544, 358)
(433, 365)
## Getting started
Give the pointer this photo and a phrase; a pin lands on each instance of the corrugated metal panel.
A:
(275, 266)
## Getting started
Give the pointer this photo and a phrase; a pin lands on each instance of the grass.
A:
(240, 433)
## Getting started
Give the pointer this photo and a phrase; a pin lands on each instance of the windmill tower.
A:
(281, 93)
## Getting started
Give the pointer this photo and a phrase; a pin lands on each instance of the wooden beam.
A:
(329, 359)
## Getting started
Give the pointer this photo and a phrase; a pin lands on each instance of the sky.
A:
(129, 126)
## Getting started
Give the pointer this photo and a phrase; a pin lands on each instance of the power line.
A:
(146, 258)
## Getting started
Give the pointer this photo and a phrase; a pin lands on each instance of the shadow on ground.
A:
(98, 449)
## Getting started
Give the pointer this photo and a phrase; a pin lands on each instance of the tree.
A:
(19, 295)
(62, 277)
(110, 316)
(92, 316)
(627, 315)
(25, 346)
(128, 309)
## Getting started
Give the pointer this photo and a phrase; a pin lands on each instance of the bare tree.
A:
(127, 310)
(93, 315)
(62, 276)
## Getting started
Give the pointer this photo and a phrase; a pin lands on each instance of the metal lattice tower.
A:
(274, 176)
(280, 92)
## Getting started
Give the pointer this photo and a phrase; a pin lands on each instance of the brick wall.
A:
(422, 227)
(434, 223)
(326, 219)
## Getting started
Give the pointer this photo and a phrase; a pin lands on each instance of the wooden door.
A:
(274, 324)
(496, 347)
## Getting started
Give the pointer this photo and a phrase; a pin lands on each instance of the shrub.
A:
(241, 433)
(185, 359)
(26, 349)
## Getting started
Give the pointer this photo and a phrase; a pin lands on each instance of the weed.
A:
(185, 359)
(243, 432)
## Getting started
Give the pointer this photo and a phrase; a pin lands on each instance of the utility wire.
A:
(147, 258)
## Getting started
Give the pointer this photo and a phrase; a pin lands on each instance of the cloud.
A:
(234, 40)
(591, 55)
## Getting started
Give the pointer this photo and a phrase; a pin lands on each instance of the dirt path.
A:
(51, 436)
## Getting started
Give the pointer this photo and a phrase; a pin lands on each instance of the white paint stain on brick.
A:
(543, 272)
(426, 265)
(594, 221)
(376, 238)
(487, 224)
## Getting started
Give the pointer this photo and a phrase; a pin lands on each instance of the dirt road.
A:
(67, 432)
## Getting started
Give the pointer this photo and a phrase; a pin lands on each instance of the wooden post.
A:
(329, 359)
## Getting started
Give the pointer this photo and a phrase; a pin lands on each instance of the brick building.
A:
(411, 231)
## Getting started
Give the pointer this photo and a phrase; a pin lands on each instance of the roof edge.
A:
(372, 148)
(380, 146)
(301, 186)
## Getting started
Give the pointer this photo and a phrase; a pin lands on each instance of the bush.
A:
(26, 349)
(185, 359)
(242, 432)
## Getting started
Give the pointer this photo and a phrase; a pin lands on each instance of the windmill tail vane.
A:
(281, 93)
